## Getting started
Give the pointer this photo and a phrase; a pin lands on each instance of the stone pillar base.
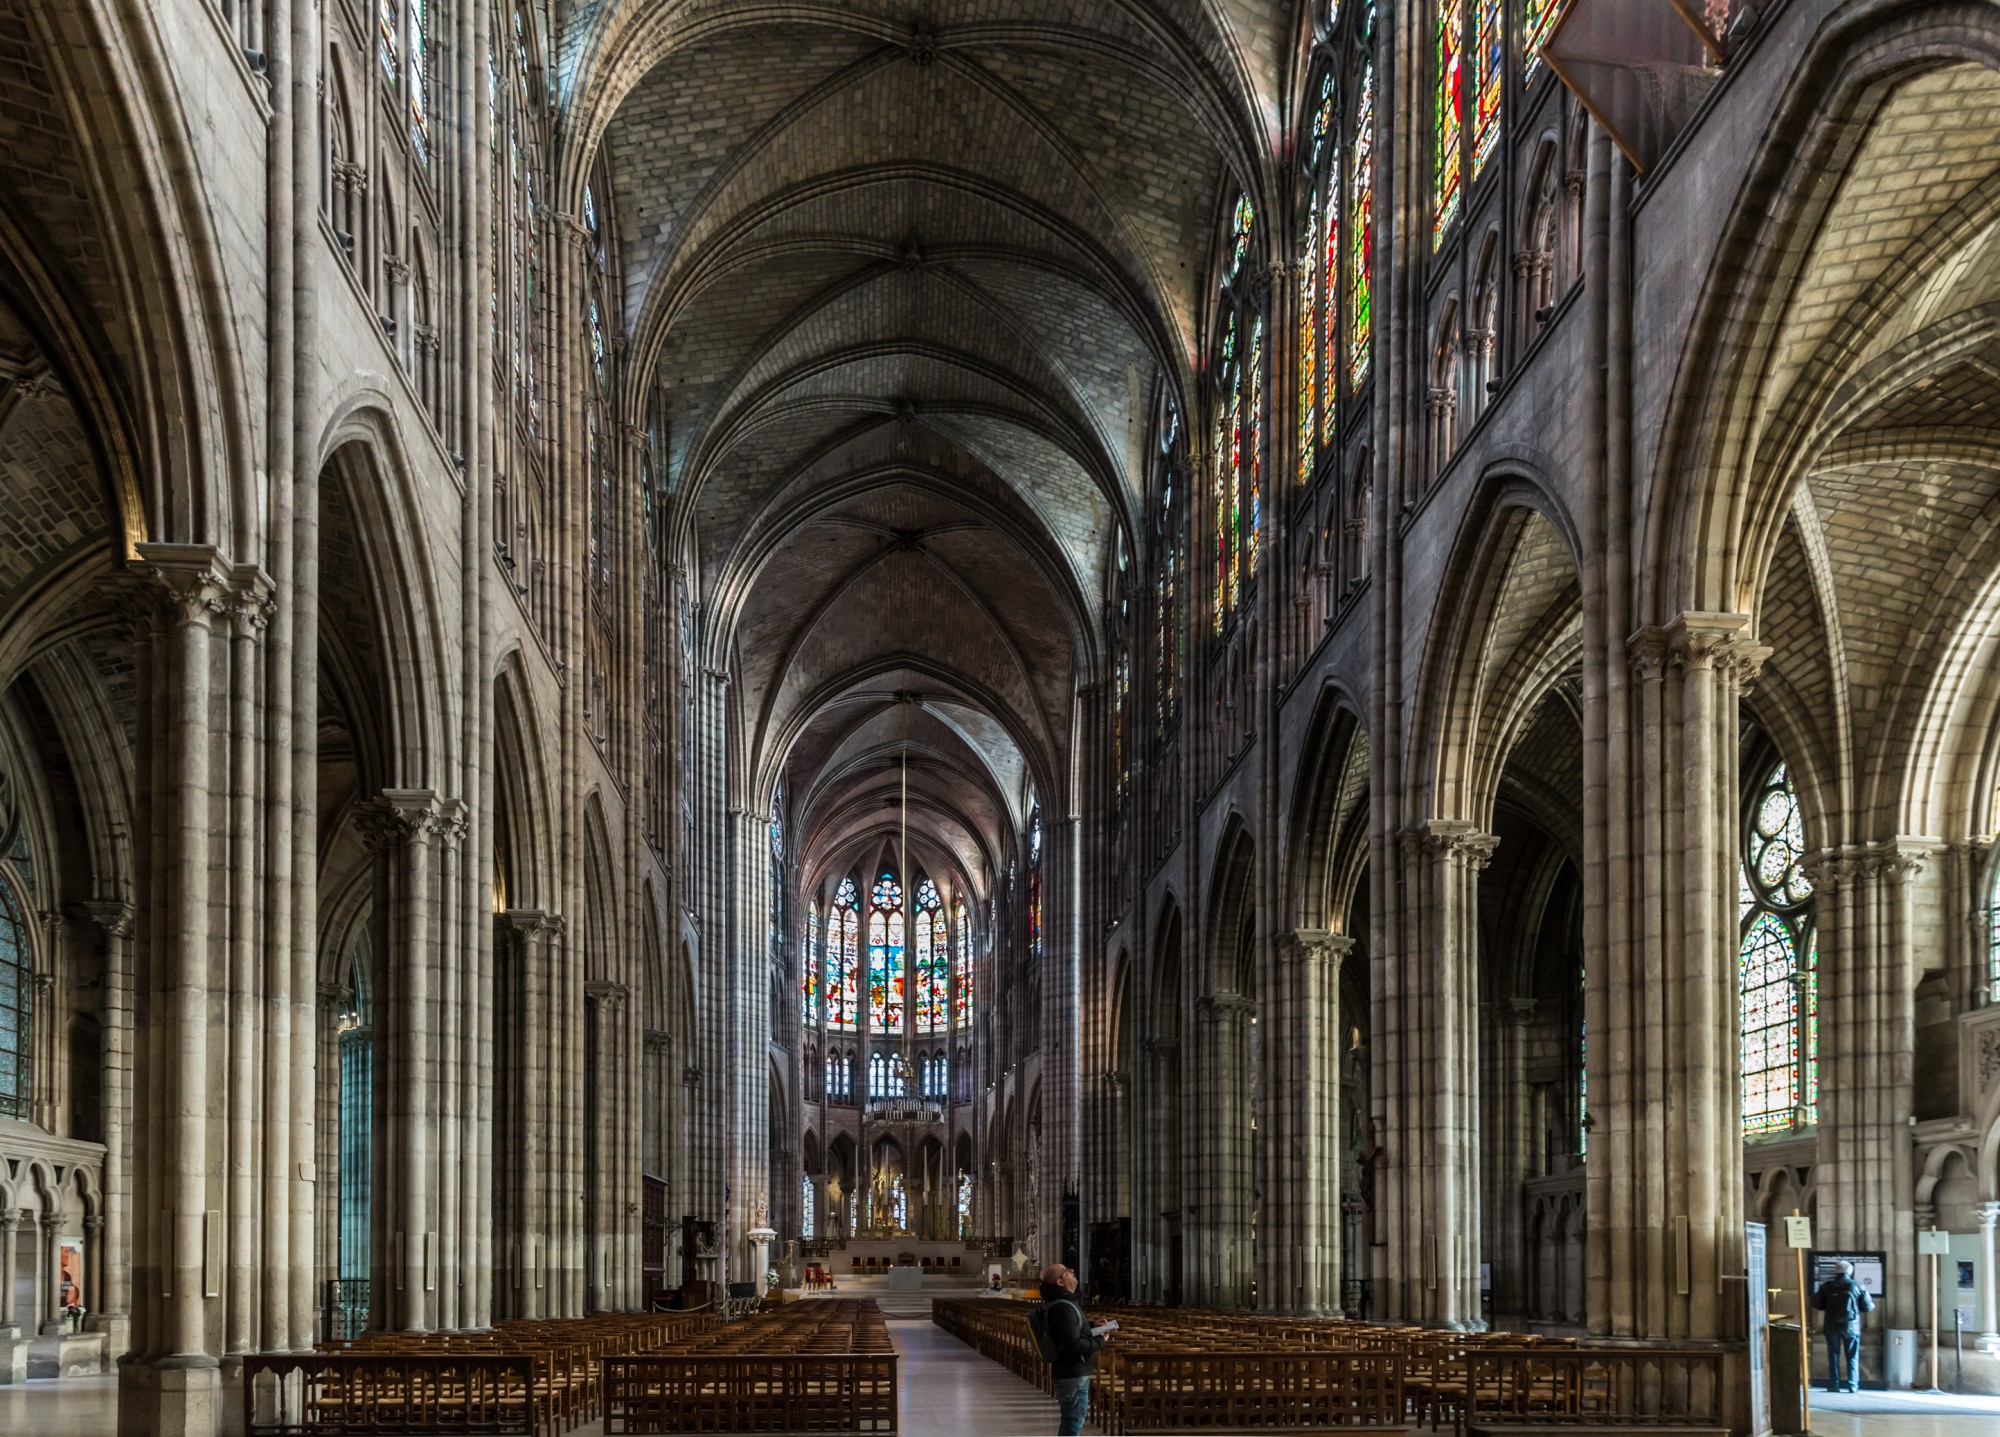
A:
(117, 1330)
(13, 1359)
(158, 1400)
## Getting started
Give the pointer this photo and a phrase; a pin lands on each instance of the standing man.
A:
(1843, 1300)
(1074, 1346)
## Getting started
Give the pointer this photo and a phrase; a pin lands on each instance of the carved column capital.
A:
(113, 915)
(1646, 651)
(608, 996)
(252, 599)
(1458, 840)
(1315, 946)
(1225, 1005)
(197, 583)
(1702, 640)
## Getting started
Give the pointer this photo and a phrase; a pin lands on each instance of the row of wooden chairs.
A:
(540, 1377)
(1179, 1370)
(804, 1367)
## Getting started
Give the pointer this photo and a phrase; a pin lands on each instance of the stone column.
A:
(1988, 1214)
(1430, 1098)
(177, 1390)
(10, 1324)
(49, 1054)
(13, 1347)
(522, 1152)
(605, 1200)
(1304, 1203)
(1664, 1181)
(51, 1304)
(93, 1266)
(110, 1258)
(1220, 1233)
(1866, 1179)
(404, 826)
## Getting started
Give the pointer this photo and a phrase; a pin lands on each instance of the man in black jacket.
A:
(1843, 1300)
(1075, 1344)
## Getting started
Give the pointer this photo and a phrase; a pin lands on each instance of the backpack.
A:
(1038, 1328)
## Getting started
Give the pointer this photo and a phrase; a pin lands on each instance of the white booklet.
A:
(1104, 1329)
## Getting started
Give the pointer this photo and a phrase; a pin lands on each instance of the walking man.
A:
(1073, 1346)
(1843, 1300)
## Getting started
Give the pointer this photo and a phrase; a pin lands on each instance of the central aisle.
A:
(949, 1390)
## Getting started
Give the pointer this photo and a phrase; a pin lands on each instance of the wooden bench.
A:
(343, 1392)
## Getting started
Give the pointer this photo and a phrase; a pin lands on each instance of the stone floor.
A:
(1903, 1414)
(948, 1390)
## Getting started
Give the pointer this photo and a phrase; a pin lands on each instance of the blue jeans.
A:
(1074, 1395)
(1843, 1342)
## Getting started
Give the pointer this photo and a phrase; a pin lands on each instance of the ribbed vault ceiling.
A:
(908, 281)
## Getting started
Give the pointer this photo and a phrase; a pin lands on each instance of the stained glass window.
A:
(806, 1228)
(1308, 342)
(357, 1119)
(1253, 539)
(1329, 293)
(1993, 936)
(885, 955)
(899, 1202)
(933, 967)
(965, 1207)
(17, 969)
(597, 343)
(1538, 18)
(387, 23)
(420, 60)
(1778, 965)
(1448, 119)
(840, 1077)
(1035, 884)
(1242, 224)
(1121, 729)
(1489, 59)
(843, 1004)
(1169, 580)
(811, 965)
(962, 993)
(1361, 232)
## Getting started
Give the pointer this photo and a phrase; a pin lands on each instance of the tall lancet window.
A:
(933, 943)
(1778, 959)
(357, 1126)
(1361, 223)
(420, 81)
(17, 974)
(843, 930)
(885, 955)
(1993, 939)
(1236, 374)
(809, 985)
(1448, 128)
(962, 1006)
(1035, 914)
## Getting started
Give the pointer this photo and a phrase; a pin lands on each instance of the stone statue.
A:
(760, 1212)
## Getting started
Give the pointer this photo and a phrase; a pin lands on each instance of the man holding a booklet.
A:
(1068, 1343)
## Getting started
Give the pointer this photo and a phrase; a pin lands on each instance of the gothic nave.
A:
(1327, 659)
